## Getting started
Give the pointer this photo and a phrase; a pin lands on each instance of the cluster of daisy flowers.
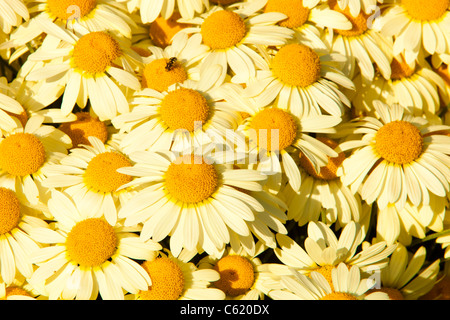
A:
(223, 149)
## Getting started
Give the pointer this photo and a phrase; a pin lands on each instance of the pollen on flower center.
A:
(339, 296)
(399, 142)
(156, 76)
(9, 210)
(296, 13)
(95, 52)
(296, 65)
(167, 280)
(400, 69)
(64, 9)
(183, 108)
(162, 30)
(190, 179)
(21, 154)
(327, 172)
(101, 173)
(426, 10)
(359, 23)
(91, 242)
(15, 291)
(84, 127)
(223, 29)
(274, 124)
(237, 275)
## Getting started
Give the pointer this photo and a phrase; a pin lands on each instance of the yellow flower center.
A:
(167, 280)
(339, 296)
(359, 23)
(426, 10)
(91, 242)
(296, 65)
(95, 52)
(394, 294)
(190, 179)
(327, 172)
(15, 291)
(21, 154)
(156, 76)
(65, 9)
(400, 69)
(9, 210)
(237, 275)
(270, 124)
(326, 272)
(296, 13)
(162, 30)
(223, 29)
(399, 142)
(181, 108)
(101, 173)
(85, 126)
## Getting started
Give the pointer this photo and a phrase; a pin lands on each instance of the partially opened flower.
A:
(324, 250)
(231, 35)
(95, 65)
(399, 157)
(363, 46)
(87, 255)
(407, 276)
(346, 285)
(418, 26)
(191, 198)
(417, 88)
(303, 80)
(176, 279)
(24, 152)
(242, 276)
(322, 194)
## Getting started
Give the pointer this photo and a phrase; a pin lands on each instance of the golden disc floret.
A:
(167, 280)
(237, 275)
(190, 179)
(15, 291)
(95, 52)
(9, 210)
(339, 296)
(156, 76)
(296, 13)
(85, 126)
(399, 142)
(400, 69)
(426, 10)
(162, 30)
(296, 65)
(101, 173)
(223, 29)
(21, 154)
(65, 9)
(359, 23)
(274, 124)
(328, 172)
(184, 109)
(91, 242)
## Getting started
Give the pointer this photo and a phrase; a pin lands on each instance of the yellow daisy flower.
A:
(398, 157)
(87, 256)
(94, 65)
